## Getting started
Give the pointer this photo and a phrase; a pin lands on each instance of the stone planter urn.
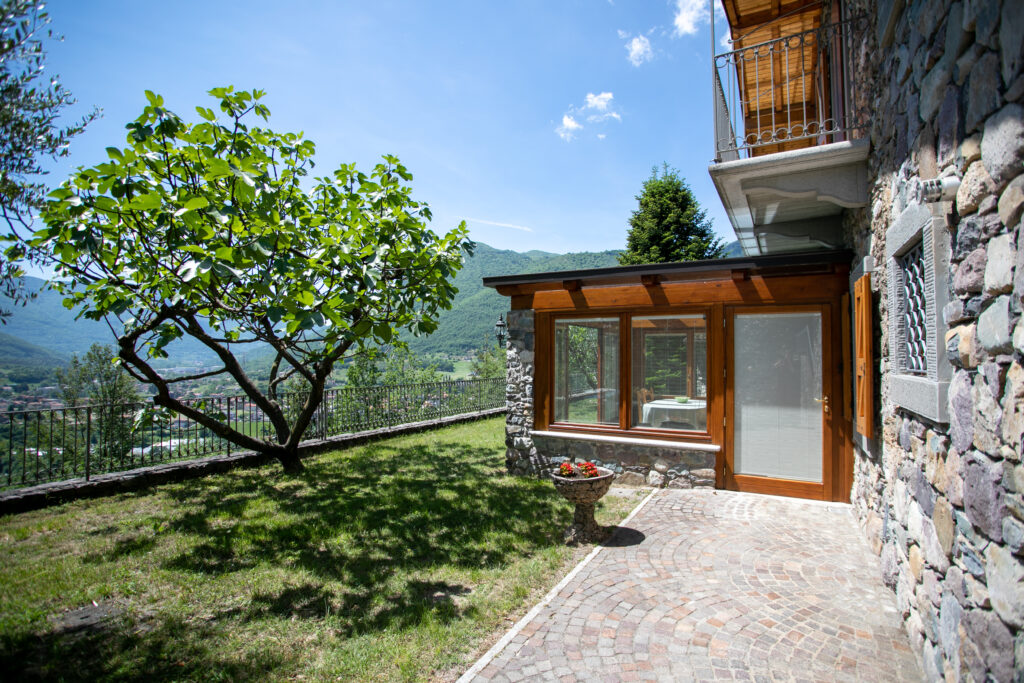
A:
(584, 493)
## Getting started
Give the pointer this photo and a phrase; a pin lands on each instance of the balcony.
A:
(787, 93)
(790, 151)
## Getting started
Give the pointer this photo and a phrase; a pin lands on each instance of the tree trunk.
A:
(290, 461)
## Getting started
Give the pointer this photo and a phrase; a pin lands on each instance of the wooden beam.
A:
(572, 285)
(755, 290)
(650, 280)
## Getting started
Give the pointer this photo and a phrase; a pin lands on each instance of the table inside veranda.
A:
(689, 415)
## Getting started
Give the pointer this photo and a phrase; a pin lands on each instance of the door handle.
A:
(824, 403)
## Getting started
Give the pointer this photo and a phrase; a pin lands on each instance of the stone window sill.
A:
(630, 441)
(920, 395)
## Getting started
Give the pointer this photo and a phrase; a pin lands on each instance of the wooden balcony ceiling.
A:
(744, 15)
(778, 88)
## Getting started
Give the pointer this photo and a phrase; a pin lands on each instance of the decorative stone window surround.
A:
(924, 394)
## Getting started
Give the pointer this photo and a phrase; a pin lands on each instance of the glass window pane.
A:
(670, 362)
(777, 395)
(587, 371)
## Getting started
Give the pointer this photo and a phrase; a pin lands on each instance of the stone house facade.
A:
(912, 177)
(940, 496)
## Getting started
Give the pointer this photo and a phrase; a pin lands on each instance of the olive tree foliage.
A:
(30, 103)
(206, 230)
(96, 380)
(390, 366)
(489, 361)
(669, 225)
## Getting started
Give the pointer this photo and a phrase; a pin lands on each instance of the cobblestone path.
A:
(717, 585)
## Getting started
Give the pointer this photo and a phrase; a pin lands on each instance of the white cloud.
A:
(601, 136)
(500, 225)
(689, 13)
(567, 131)
(639, 49)
(596, 109)
(598, 102)
(623, 35)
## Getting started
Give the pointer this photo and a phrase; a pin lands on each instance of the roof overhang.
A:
(792, 201)
(661, 273)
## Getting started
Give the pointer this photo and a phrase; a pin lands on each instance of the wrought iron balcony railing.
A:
(792, 92)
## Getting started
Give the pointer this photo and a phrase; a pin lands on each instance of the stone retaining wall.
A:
(54, 493)
(634, 464)
(943, 503)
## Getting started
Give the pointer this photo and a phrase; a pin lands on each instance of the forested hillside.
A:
(44, 326)
(45, 322)
(470, 323)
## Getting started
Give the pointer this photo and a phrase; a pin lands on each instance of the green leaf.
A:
(196, 203)
(146, 202)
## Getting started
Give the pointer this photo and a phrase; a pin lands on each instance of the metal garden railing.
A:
(39, 446)
(793, 88)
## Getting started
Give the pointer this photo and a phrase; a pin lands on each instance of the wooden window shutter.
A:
(863, 360)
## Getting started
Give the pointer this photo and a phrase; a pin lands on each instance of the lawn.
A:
(398, 560)
(463, 369)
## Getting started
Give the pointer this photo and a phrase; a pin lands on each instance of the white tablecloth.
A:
(671, 410)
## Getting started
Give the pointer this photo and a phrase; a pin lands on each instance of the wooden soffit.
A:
(745, 15)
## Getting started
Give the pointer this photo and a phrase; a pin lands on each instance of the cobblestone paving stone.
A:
(723, 586)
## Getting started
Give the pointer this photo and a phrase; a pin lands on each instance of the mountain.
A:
(470, 323)
(15, 352)
(45, 322)
(732, 250)
(44, 326)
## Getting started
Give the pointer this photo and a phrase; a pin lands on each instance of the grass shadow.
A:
(374, 539)
(125, 649)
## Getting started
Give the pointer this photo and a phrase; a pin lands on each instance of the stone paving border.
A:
(514, 631)
(54, 493)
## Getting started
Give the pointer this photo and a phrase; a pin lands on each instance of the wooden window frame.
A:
(545, 387)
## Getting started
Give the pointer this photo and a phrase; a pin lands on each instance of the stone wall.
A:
(520, 453)
(633, 464)
(53, 493)
(943, 503)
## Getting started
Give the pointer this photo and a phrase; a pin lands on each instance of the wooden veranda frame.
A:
(704, 289)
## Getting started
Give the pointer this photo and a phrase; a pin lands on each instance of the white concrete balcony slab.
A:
(793, 200)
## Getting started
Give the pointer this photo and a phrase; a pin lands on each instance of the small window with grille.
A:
(915, 310)
(917, 252)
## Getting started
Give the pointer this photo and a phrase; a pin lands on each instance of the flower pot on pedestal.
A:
(584, 492)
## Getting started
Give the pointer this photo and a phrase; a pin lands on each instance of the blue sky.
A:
(536, 122)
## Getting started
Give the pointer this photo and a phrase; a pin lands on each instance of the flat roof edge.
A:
(809, 258)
